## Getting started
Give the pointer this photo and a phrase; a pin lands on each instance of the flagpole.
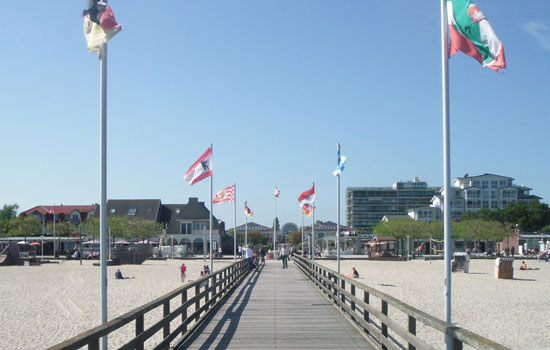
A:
(103, 187)
(338, 219)
(303, 249)
(312, 228)
(235, 222)
(446, 166)
(245, 229)
(275, 224)
(54, 231)
(211, 210)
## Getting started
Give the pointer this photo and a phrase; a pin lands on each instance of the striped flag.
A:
(100, 24)
(471, 33)
(247, 210)
(52, 210)
(225, 195)
(339, 163)
(307, 209)
(201, 169)
(276, 192)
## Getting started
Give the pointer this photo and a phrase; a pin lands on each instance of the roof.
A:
(60, 209)
(486, 174)
(147, 209)
(194, 210)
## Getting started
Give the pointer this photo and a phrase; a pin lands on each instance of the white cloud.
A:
(539, 31)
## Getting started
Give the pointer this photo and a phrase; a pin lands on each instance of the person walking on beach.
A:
(354, 273)
(183, 269)
(283, 253)
(220, 250)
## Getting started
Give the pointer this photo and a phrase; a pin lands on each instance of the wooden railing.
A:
(209, 291)
(356, 300)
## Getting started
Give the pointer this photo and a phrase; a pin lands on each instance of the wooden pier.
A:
(277, 308)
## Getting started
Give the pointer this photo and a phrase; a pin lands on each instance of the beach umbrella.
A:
(22, 242)
(35, 243)
(121, 241)
(95, 241)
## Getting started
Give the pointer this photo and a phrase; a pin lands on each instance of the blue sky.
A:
(274, 85)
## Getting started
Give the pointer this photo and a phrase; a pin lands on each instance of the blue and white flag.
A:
(340, 163)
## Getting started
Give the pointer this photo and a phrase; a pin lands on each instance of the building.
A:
(472, 193)
(72, 213)
(189, 224)
(366, 206)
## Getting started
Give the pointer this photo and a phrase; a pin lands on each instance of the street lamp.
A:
(75, 220)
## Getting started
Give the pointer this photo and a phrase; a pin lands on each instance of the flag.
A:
(307, 209)
(308, 197)
(471, 33)
(339, 163)
(201, 169)
(99, 24)
(52, 210)
(247, 210)
(276, 192)
(225, 195)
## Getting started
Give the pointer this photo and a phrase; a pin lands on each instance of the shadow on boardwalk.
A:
(231, 314)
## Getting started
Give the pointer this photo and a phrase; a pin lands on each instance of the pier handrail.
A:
(360, 312)
(210, 290)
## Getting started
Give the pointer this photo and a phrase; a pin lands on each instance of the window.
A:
(177, 210)
(494, 184)
(132, 212)
(493, 194)
(199, 226)
(476, 183)
(186, 228)
(113, 210)
(485, 204)
(149, 210)
(484, 184)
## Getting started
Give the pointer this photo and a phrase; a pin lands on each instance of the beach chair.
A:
(504, 268)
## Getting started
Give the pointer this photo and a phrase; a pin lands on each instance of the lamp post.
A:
(75, 220)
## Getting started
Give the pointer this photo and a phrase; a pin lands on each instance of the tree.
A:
(256, 237)
(8, 212)
(24, 226)
(62, 228)
(295, 238)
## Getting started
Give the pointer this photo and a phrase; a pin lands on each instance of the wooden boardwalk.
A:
(277, 308)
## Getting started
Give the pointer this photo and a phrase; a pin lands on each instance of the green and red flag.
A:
(471, 33)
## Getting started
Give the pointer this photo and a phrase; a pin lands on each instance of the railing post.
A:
(335, 285)
(384, 326)
(365, 312)
(166, 312)
(94, 345)
(197, 302)
(352, 293)
(343, 286)
(412, 330)
(184, 312)
(457, 344)
(139, 330)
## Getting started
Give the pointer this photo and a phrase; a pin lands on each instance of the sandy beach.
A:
(45, 305)
(515, 313)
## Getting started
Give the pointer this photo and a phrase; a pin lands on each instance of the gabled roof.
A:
(193, 210)
(60, 209)
(486, 174)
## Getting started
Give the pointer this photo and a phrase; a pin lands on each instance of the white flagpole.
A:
(245, 229)
(303, 248)
(211, 210)
(275, 224)
(313, 229)
(103, 187)
(235, 222)
(446, 166)
(54, 231)
(338, 214)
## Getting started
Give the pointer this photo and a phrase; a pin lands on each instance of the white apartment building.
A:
(472, 193)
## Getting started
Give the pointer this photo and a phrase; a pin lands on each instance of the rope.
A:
(437, 241)
(438, 250)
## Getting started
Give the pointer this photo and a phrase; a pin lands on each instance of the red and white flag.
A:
(201, 169)
(225, 195)
(52, 210)
(276, 192)
(307, 197)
